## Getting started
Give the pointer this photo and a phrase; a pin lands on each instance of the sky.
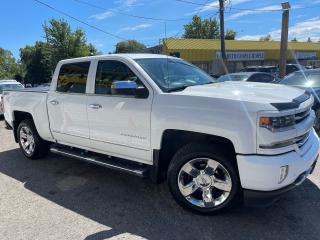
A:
(22, 20)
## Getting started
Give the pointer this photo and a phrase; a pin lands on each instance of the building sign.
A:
(305, 55)
(243, 56)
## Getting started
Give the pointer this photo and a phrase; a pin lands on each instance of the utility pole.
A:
(223, 45)
(284, 39)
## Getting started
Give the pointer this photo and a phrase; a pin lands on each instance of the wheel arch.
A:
(172, 140)
(18, 117)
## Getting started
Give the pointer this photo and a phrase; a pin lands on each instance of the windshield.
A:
(230, 77)
(301, 79)
(173, 74)
(10, 86)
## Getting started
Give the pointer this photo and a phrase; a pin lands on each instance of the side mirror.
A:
(129, 88)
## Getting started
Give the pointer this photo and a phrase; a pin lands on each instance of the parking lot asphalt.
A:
(62, 198)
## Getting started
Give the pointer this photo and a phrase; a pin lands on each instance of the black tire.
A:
(204, 150)
(41, 147)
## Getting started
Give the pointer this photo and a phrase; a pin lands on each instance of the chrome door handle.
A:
(54, 102)
(95, 106)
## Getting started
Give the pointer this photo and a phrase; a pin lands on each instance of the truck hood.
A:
(246, 91)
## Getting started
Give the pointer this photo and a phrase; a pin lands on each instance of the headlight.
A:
(277, 123)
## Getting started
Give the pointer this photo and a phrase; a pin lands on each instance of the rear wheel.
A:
(31, 144)
(203, 179)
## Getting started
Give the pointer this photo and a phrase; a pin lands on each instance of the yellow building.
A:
(206, 54)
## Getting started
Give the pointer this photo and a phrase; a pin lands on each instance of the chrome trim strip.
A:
(300, 141)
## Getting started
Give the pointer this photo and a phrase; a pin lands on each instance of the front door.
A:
(67, 106)
(119, 123)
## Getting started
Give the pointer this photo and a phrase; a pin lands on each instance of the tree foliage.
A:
(294, 40)
(61, 42)
(230, 34)
(202, 28)
(266, 38)
(129, 46)
(9, 68)
(37, 61)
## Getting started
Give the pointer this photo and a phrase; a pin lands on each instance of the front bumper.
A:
(262, 172)
(265, 198)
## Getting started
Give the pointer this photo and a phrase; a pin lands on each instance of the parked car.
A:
(290, 68)
(215, 76)
(266, 69)
(309, 80)
(249, 77)
(7, 85)
(44, 85)
(161, 117)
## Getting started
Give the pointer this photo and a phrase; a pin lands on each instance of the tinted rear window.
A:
(73, 77)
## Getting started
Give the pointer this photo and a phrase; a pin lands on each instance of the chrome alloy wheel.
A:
(204, 182)
(27, 140)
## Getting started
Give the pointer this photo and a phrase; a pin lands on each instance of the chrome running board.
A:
(140, 170)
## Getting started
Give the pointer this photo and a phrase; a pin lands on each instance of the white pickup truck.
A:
(216, 144)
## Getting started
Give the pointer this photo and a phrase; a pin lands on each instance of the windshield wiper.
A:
(181, 88)
(208, 83)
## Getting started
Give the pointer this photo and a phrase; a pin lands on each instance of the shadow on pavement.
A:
(128, 204)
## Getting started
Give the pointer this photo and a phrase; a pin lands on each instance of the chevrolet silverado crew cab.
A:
(216, 144)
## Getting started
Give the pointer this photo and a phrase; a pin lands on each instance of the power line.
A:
(178, 33)
(261, 9)
(231, 8)
(129, 14)
(78, 20)
(81, 21)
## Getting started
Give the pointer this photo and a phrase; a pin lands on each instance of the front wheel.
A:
(31, 144)
(203, 179)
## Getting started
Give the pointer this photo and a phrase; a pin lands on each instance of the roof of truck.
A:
(125, 55)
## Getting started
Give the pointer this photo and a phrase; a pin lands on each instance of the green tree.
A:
(129, 46)
(61, 42)
(202, 28)
(309, 40)
(37, 63)
(64, 43)
(9, 68)
(266, 38)
(230, 34)
(294, 40)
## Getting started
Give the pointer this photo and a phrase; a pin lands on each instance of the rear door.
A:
(119, 123)
(67, 105)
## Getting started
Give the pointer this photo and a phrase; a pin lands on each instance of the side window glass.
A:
(268, 78)
(115, 78)
(73, 77)
(253, 78)
(264, 78)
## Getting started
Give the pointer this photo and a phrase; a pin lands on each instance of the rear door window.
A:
(73, 77)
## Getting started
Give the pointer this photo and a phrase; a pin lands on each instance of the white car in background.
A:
(8, 85)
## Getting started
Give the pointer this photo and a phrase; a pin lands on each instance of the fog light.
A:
(283, 173)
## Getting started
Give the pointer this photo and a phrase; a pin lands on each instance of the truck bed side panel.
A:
(34, 103)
